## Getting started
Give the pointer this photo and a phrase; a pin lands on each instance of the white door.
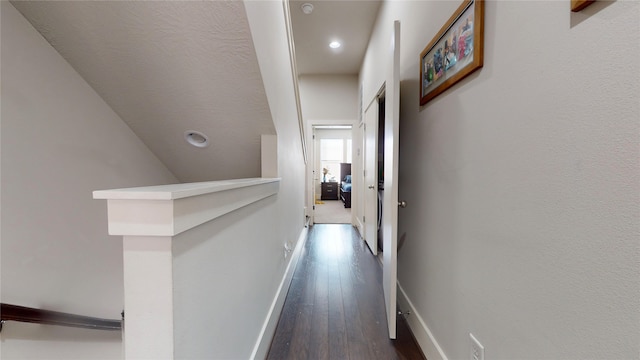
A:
(391, 90)
(390, 198)
(370, 192)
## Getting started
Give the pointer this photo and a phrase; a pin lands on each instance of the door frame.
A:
(370, 175)
(310, 200)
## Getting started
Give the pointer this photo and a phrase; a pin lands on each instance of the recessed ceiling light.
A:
(334, 44)
(196, 138)
(307, 8)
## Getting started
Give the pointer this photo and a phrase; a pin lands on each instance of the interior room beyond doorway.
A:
(332, 174)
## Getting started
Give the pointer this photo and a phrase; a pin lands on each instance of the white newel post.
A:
(148, 297)
(148, 219)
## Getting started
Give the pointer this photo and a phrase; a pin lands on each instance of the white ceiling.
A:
(349, 21)
(166, 67)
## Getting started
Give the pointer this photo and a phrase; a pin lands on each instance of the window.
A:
(331, 155)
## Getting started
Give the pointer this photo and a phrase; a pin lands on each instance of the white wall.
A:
(329, 97)
(522, 181)
(226, 273)
(329, 100)
(60, 141)
(267, 23)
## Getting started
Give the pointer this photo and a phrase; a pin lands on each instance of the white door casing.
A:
(370, 190)
(357, 192)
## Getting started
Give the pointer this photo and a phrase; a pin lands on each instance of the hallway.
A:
(335, 305)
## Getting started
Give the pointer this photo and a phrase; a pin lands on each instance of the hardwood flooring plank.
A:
(335, 305)
(302, 328)
(350, 276)
(319, 337)
(405, 345)
(337, 322)
(373, 311)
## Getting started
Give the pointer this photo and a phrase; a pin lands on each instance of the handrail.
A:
(31, 315)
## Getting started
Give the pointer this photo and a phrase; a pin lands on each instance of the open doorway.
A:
(332, 168)
(373, 163)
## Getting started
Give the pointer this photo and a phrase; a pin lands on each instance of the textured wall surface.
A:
(60, 141)
(166, 67)
(524, 180)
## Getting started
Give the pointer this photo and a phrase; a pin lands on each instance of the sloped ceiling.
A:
(166, 67)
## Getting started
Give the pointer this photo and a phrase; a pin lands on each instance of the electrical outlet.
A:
(287, 249)
(477, 350)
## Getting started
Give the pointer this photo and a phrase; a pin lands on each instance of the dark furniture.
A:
(345, 184)
(329, 191)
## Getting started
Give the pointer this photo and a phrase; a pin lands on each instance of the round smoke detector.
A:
(196, 138)
(307, 8)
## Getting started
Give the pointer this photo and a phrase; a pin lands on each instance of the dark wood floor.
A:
(335, 305)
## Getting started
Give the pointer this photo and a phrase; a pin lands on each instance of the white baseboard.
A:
(360, 226)
(263, 343)
(421, 332)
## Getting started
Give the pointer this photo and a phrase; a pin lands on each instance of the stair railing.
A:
(10, 312)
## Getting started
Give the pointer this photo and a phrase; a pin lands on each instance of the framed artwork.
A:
(577, 5)
(456, 51)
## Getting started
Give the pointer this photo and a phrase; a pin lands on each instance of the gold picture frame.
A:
(577, 5)
(456, 51)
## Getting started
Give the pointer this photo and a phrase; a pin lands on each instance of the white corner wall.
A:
(268, 29)
(522, 226)
(59, 142)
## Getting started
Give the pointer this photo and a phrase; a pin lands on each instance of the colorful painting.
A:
(454, 53)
